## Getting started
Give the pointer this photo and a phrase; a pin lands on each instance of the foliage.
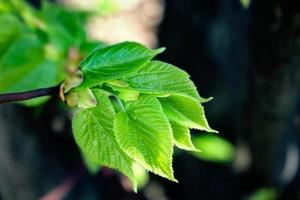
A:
(130, 109)
(39, 45)
(213, 148)
(143, 109)
(245, 3)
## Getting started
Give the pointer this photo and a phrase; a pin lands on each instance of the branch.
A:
(21, 96)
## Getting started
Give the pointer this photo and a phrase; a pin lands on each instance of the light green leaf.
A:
(72, 81)
(81, 97)
(124, 93)
(245, 3)
(182, 137)
(90, 164)
(141, 175)
(213, 148)
(129, 95)
(93, 132)
(118, 83)
(86, 98)
(115, 62)
(144, 133)
(162, 78)
(185, 111)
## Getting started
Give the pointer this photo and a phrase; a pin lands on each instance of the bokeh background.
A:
(245, 54)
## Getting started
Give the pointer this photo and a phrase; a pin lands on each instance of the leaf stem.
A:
(21, 96)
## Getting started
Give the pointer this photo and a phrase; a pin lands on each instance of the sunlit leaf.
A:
(185, 111)
(115, 62)
(182, 137)
(162, 78)
(213, 148)
(144, 133)
(93, 132)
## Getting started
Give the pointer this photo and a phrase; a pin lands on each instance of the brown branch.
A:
(21, 96)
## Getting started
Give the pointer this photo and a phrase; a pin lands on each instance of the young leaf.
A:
(182, 137)
(115, 62)
(81, 97)
(144, 133)
(93, 132)
(72, 81)
(162, 78)
(185, 111)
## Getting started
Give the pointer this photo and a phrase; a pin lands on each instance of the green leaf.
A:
(118, 83)
(182, 137)
(186, 111)
(93, 132)
(123, 92)
(162, 78)
(41, 75)
(19, 60)
(72, 81)
(115, 62)
(22, 68)
(141, 175)
(81, 97)
(213, 148)
(65, 28)
(245, 3)
(90, 164)
(264, 193)
(10, 31)
(129, 95)
(144, 133)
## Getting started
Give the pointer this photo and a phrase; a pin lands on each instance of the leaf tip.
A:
(174, 180)
(205, 100)
(213, 131)
(160, 50)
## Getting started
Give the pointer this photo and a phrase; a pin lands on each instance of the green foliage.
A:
(182, 137)
(93, 132)
(245, 3)
(213, 148)
(266, 193)
(143, 132)
(115, 62)
(131, 109)
(164, 79)
(143, 109)
(35, 45)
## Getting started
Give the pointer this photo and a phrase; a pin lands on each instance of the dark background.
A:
(247, 59)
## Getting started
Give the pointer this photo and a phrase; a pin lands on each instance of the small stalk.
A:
(21, 96)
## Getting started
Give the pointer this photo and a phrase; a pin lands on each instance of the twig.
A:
(21, 96)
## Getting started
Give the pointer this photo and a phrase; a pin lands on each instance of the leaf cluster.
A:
(133, 110)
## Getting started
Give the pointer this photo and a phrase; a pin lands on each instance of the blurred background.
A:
(245, 54)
